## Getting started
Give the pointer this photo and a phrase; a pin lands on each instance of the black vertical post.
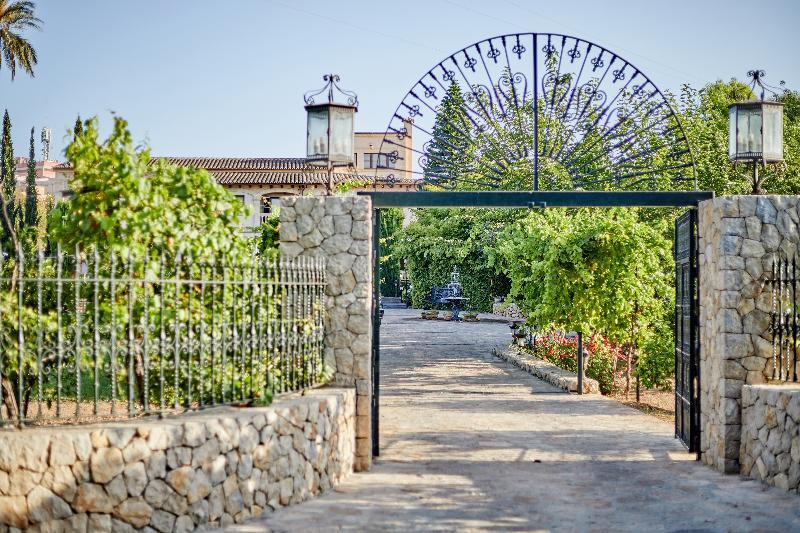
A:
(580, 362)
(376, 327)
(794, 319)
(535, 114)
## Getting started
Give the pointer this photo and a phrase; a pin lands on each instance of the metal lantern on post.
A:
(330, 131)
(755, 130)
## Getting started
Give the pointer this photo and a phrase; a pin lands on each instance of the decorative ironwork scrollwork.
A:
(599, 121)
(330, 89)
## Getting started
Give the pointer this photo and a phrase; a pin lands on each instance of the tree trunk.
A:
(9, 407)
(628, 373)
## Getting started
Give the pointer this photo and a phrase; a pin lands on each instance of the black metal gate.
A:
(687, 342)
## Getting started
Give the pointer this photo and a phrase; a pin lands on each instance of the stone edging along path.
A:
(549, 372)
(209, 468)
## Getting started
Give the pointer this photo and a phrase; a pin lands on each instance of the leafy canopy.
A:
(125, 200)
(15, 50)
(587, 270)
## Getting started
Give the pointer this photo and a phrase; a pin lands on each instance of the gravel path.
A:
(471, 443)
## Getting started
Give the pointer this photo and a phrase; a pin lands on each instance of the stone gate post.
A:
(739, 237)
(340, 229)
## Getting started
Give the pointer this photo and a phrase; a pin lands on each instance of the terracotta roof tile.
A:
(242, 163)
(267, 171)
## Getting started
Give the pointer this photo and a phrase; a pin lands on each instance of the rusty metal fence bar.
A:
(86, 335)
(784, 318)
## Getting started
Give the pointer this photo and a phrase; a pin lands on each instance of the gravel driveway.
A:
(469, 442)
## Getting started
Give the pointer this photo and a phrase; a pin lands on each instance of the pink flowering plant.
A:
(604, 360)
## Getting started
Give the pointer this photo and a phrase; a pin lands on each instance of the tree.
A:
(391, 225)
(704, 114)
(78, 128)
(448, 154)
(124, 201)
(15, 50)
(31, 197)
(8, 185)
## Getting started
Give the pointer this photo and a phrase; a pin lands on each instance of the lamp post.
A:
(329, 131)
(755, 130)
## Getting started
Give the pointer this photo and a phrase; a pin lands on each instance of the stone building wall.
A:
(738, 239)
(340, 229)
(770, 449)
(214, 467)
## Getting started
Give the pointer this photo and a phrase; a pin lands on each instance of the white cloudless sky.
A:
(226, 78)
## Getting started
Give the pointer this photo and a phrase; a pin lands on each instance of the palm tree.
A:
(15, 17)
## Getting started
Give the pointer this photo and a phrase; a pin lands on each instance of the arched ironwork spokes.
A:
(539, 111)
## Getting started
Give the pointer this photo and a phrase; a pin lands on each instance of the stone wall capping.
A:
(549, 372)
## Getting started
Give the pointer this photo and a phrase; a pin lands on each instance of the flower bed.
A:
(604, 360)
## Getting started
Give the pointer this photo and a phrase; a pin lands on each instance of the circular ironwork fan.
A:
(538, 111)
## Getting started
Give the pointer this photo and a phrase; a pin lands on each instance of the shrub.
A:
(656, 364)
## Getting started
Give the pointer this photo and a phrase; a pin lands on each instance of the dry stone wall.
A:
(174, 475)
(739, 237)
(340, 229)
(770, 449)
(563, 379)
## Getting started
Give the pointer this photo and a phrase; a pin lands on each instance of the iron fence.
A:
(90, 335)
(784, 318)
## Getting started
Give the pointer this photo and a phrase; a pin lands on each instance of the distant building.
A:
(260, 182)
(50, 180)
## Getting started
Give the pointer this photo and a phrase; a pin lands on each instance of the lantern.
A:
(755, 131)
(330, 131)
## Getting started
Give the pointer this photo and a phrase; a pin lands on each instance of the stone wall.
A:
(770, 448)
(215, 467)
(508, 310)
(546, 371)
(738, 238)
(340, 229)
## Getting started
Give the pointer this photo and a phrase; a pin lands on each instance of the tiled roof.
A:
(242, 163)
(232, 163)
(291, 178)
(268, 171)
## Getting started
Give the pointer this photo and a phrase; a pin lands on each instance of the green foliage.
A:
(269, 237)
(132, 217)
(440, 239)
(602, 357)
(656, 364)
(77, 130)
(8, 186)
(31, 197)
(391, 225)
(123, 201)
(587, 270)
(704, 114)
(15, 50)
(449, 154)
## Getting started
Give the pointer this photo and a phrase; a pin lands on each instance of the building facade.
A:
(50, 181)
(260, 182)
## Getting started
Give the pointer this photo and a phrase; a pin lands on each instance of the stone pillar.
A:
(340, 229)
(739, 237)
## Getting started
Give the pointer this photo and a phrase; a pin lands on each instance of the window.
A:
(240, 197)
(378, 160)
(269, 205)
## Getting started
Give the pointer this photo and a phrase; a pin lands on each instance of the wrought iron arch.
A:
(540, 111)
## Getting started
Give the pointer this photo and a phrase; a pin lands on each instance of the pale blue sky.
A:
(201, 77)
